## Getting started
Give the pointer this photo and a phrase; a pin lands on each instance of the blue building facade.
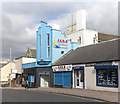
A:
(50, 46)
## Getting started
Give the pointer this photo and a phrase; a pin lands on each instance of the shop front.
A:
(107, 76)
(30, 75)
(44, 77)
(78, 77)
(62, 76)
(102, 76)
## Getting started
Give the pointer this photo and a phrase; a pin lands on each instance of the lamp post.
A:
(10, 63)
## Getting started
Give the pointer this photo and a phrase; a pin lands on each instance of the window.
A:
(93, 40)
(79, 40)
(40, 46)
(107, 77)
(48, 45)
(62, 52)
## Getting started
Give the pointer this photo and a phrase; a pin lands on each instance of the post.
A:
(10, 67)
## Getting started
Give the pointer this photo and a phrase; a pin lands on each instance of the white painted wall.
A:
(23, 60)
(26, 60)
(80, 20)
(86, 35)
(6, 70)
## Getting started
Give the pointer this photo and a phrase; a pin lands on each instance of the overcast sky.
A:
(20, 21)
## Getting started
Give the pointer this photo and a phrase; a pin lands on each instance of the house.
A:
(31, 53)
(6, 75)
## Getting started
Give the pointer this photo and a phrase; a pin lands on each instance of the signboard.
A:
(43, 62)
(62, 68)
(60, 43)
(98, 64)
(13, 71)
(78, 67)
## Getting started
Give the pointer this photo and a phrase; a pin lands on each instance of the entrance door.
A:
(44, 80)
(78, 78)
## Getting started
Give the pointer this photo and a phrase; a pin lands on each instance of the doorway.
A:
(44, 81)
(78, 79)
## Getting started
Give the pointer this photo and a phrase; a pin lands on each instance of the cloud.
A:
(20, 21)
(100, 16)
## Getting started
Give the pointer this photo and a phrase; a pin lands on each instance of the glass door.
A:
(78, 78)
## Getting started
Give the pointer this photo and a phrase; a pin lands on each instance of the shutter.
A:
(62, 78)
(67, 79)
(58, 78)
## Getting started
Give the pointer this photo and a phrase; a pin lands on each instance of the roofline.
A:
(85, 63)
(32, 49)
(63, 56)
(25, 57)
(108, 34)
(20, 57)
(99, 43)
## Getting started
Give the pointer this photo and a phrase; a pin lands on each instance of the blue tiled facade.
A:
(58, 43)
(50, 46)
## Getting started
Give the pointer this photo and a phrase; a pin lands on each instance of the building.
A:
(51, 45)
(95, 67)
(3, 63)
(79, 33)
(20, 76)
(7, 75)
(31, 53)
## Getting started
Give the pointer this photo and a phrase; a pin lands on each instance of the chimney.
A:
(80, 20)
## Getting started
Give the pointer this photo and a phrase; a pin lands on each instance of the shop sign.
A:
(98, 64)
(60, 43)
(13, 71)
(78, 67)
(62, 68)
(43, 62)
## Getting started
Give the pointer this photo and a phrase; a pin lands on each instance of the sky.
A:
(20, 21)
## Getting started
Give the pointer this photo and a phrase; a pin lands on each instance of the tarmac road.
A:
(24, 95)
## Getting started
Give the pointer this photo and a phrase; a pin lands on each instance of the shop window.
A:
(107, 77)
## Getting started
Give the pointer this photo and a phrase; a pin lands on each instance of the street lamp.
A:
(10, 63)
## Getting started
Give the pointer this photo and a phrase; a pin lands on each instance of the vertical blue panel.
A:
(67, 79)
(62, 78)
(58, 78)
(28, 80)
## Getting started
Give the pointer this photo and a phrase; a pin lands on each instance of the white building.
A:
(79, 33)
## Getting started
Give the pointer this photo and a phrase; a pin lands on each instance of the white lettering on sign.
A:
(62, 68)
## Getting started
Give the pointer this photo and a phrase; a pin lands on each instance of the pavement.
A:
(85, 93)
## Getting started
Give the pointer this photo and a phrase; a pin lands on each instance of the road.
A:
(22, 95)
